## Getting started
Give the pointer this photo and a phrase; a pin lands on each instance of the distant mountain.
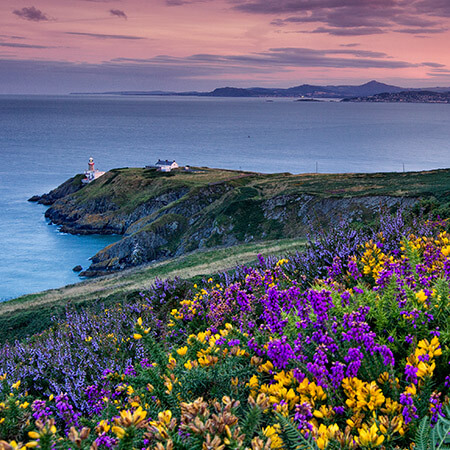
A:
(404, 97)
(371, 88)
(308, 90)
(305, 90)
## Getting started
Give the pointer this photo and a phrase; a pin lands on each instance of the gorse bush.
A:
(343, 346)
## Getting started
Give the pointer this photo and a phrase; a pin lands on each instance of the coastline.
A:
(177, 212)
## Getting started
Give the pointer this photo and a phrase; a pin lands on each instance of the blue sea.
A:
(45, 140)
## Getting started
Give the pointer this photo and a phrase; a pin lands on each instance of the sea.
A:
(44, 140)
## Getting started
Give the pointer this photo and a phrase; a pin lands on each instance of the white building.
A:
(166, 166)
(91, 174)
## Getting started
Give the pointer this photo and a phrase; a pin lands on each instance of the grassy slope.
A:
(129, 188)
(132, 187)
(435, 183)
(240, 208)
(237, 197)
(32, 313)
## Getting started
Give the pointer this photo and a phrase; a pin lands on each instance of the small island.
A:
(308, 100)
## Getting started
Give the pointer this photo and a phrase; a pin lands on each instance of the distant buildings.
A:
(164, 166)
(91, 174)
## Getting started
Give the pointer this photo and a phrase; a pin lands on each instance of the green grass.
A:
(32, 313)
(238, 203)
(129, 187)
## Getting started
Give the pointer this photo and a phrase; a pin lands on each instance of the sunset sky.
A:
(61, 46)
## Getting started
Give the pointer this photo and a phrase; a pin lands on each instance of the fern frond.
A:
(436, 438)
(251, 423)
(440, 435)
(293, 437)
(423, 435)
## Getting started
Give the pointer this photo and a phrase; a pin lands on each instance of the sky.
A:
(63, 46)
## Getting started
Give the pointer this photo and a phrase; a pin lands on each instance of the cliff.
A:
(70, 186)
(162, 215)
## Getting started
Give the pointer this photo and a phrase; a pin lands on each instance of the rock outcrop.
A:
(70, 186)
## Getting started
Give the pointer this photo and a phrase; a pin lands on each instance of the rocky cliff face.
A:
(101, 215)
(147, 245)
(175, 234)
(70, 186)
(160, 218)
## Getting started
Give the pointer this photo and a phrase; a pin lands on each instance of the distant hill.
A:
(305, 90)
(404, 97)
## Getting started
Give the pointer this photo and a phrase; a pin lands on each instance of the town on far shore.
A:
(161, 165)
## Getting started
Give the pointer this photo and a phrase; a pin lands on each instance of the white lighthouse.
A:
(91, 174)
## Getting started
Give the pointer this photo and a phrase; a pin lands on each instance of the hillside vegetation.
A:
(163, 215)
(344, 345)
(33, 313)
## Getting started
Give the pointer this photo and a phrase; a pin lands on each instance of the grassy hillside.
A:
(32, 313)
(345, 346)
(233, 206)
(162, 215)
(130, 187)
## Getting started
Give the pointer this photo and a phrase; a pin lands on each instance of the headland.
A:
(162, 215)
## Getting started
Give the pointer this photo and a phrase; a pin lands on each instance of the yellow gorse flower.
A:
(372, 259)
(102, 427)
(322, 437)
(446, 250)
(13, 445)
(253, 384)
(421, 296)
(189, 365)
(272, 433)
(368, 437)
(118, 431)
(128, 418)
(165, 417)
(172, 362)
(362, 395)
(282, 262)
(425, 366)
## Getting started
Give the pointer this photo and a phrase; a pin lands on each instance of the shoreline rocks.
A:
(70, 186)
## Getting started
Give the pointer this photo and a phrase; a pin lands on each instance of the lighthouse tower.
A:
(91, 174)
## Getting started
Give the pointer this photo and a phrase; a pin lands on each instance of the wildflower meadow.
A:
(345, 345)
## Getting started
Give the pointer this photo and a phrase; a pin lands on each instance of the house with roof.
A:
(166, 165)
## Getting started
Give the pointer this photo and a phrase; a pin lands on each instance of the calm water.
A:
(45, 140)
